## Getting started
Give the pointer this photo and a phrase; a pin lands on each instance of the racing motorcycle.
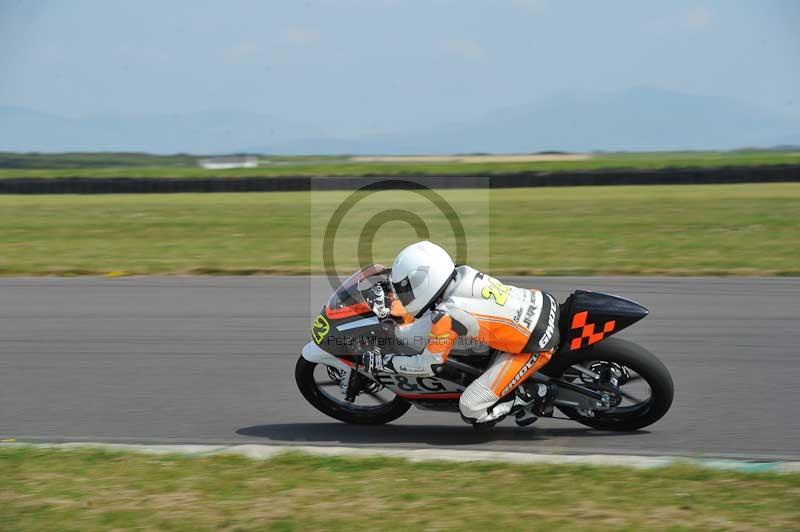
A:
(604, 383)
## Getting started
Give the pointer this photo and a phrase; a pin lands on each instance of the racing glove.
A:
(374, 361)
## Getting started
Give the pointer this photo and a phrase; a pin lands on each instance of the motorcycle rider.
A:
(461, 301)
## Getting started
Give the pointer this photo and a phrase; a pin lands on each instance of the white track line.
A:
(263, 452)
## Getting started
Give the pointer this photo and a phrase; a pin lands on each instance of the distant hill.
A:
(636, 119)
(640, 119)
(201, 132)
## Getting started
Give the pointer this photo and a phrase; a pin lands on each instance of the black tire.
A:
(361, 415)
(634, 357)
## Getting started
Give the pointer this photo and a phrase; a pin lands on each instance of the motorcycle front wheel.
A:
(320, 385)
(638, 383)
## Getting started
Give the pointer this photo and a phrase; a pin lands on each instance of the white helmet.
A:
(420, 274)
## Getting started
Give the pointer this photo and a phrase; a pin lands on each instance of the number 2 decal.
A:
(320, 329)
(496, 290)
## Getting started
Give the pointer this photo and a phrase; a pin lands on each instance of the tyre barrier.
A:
(160, 185)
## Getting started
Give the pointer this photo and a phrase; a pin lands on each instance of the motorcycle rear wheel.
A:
(618, 353)
(342, 410)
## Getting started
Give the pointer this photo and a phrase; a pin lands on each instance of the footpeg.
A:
(525, 417)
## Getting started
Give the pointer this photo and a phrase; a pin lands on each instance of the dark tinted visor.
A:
(404, 291)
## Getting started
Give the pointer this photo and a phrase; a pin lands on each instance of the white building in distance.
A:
(225, 163)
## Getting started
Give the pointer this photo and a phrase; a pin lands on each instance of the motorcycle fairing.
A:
(313, 353)
(347, 318)
(589, 317)
(414, 388)
(430, 392)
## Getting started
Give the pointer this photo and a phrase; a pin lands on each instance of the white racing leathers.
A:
(520, 323)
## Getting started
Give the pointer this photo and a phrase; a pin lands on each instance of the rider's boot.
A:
(514, 403)
(526, 404)
(539, 401)
(545, 399)
(523, 411)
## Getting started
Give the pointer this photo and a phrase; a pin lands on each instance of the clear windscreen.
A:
(351, 292)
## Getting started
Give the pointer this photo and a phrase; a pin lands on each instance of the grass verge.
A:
(130, 165)
(101, 490)
(659, 230)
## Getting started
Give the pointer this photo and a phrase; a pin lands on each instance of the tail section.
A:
(589, 317)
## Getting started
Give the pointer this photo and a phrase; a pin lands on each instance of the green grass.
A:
(671, 230)
(97, 490)
(139, 165)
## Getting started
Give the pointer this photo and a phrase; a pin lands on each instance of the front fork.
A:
(353, 385)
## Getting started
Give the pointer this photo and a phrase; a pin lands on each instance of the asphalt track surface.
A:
(211, 359)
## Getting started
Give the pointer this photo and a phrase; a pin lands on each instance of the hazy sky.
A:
(361, 66)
